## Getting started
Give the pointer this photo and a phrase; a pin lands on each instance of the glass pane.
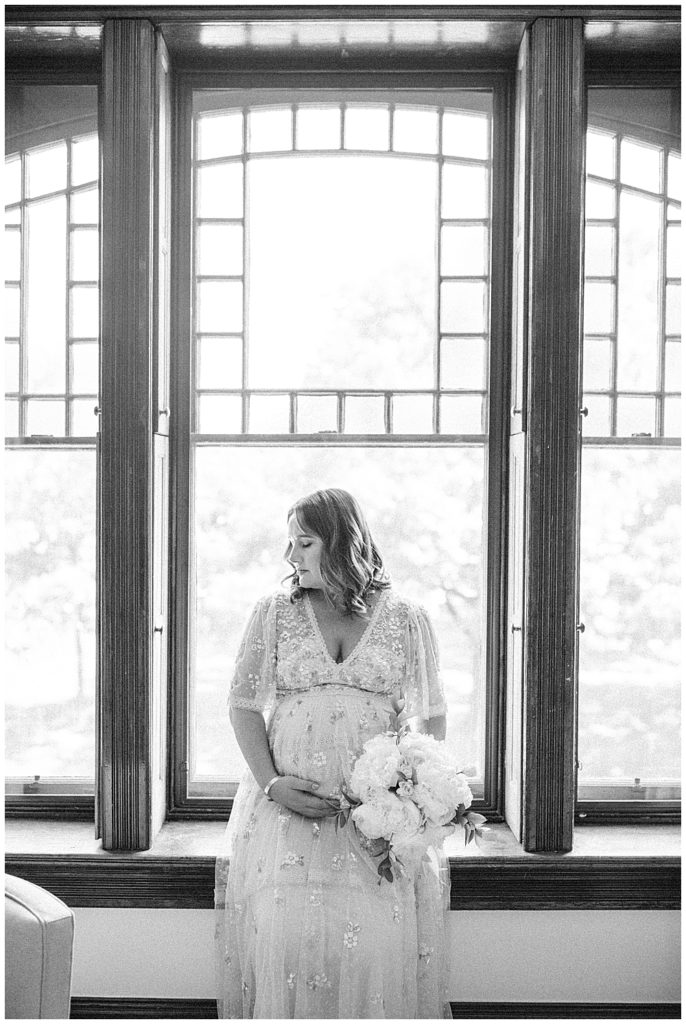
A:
(629, 678)
(270, 130)
(415, 131)
(316, 412)
(85, 160)
(413, 414)
(220, 134)
(638, 300)
(598, 308)
(11, 366)
(269, 414)
(85, 312)
(461, 414)
(220, 306)
(12, 254)
(673, 309)
(45, 417)
(13, 215)
(220, 414)
(220, 190)
(84, 254)
(11, 418)
(673, 366)
(364, 414)
(599, 251)
(46, 282)
(640, 165)
(672, 417)
(12, 180)
(50, 607)
(463, 363)
(342, 295)
(600, 201)
(12, 309)
(674, 250)
(597, 423)
(425, 510)
(367, 128)
(600, 153)
(47, 169)
(84, 206)
(466, 134)
(220, 249)
(465, 191)
(220, 362)
(597, 363)
(674, 176)
(84, 369)
(84, 421)
(635, 415)
(318, 128)
(463, 249)
(463, 307)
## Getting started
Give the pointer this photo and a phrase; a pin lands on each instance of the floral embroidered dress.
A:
(304, 929)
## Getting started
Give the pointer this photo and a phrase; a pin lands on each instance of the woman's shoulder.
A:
(409, 608)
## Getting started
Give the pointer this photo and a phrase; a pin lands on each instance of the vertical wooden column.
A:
(556, 148)
(127, 421)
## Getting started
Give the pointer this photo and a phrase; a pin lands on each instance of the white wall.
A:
(510, 956)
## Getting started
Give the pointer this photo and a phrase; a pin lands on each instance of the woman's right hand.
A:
(300, 795)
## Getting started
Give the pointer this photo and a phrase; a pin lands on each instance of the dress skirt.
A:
(305, 928)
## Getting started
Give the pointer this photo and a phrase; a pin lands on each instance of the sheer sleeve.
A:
(423, 690)
(253, 685)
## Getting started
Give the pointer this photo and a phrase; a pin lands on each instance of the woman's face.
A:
(304, 554)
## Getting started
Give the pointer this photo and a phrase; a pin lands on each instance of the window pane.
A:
(85, 157)
(640, 165)
(599, 251)
(46, 282)
(364, 415)
(11, 418)
(673, 309)
(12, 180)
(220, 362)
(463, 307)
(84, 255)
(600, 201)
(341, 294)
(672, 417)
(635, 415)
(45, 416)
(367, 128)
(629, 678)
(84, 206)
(464, 249)
(413, 414)
(463, 363)
(597, 423)
(425, 508)
(84, 369)
(465, 191)
(12, 311)
(318, 128)
(11, 366)
(317, 412)
(674, 176)
(674, 250)
(85, 312)
(673, 366)
(12, 254)
(220, 134)
(598, 308)
(220, 306)
(220, 414)
(466, 134)
(220, 190)
(220, 249)
(462, 414)
(600, 153)
(50, 661)
(46, 169)
(269, 414)
(84, 422)
(415, 131)
(597, 372)
(638, 297)
(270, 130)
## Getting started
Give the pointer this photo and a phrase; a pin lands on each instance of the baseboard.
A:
(103, 1008)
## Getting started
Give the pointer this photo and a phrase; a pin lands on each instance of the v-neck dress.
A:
(304, 927)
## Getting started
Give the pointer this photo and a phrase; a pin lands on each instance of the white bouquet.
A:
(405, 795)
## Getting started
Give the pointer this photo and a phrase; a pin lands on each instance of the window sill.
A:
(611, 868)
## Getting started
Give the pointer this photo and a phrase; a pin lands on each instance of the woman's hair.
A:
(351, 564)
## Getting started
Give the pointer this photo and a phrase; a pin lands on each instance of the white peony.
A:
(376, 769)
(387, 817)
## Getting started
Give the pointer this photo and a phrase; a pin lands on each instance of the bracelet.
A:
(269, 785)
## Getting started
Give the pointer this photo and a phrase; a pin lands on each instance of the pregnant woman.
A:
(305, 928)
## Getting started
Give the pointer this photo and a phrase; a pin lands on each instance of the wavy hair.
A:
(351, 564)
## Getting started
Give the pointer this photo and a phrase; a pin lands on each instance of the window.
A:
(51, 353)
(629, 681)
(341, 325)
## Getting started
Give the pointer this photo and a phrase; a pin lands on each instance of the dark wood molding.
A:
(581, 883)
(103, 1008)
(556, 107)
(125, 534)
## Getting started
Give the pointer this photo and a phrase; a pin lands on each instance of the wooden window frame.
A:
(131, 794)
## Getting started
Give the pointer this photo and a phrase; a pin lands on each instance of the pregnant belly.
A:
(318, 734)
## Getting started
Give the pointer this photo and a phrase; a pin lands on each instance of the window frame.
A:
(180, 804)
(600, 60)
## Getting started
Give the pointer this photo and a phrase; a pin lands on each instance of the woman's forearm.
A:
(251, 735)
